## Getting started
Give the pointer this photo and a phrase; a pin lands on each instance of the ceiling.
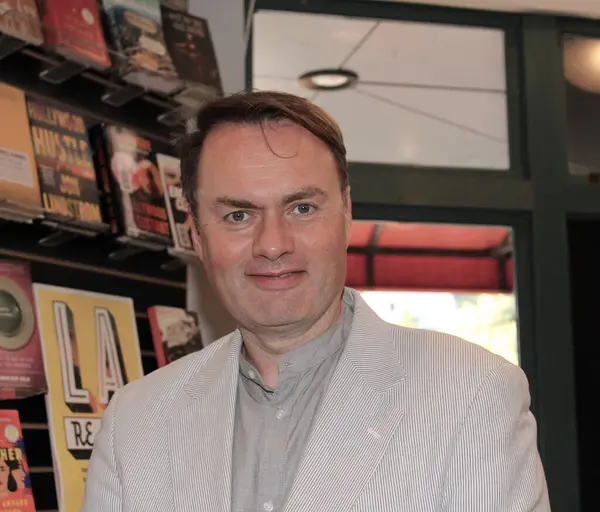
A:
(428, 94)
(584, 8)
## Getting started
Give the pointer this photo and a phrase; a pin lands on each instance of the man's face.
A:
(273, 224)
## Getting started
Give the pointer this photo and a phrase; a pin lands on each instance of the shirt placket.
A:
(276, 428)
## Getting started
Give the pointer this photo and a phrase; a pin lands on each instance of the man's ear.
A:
(348, 214)
(195, 237)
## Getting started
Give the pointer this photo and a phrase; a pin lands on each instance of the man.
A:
(313, 403)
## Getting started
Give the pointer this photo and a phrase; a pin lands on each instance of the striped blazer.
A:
(412, 421)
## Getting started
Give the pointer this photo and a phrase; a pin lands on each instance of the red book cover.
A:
(175, 333)
(74, 29)
(21, 362)
(15, 482)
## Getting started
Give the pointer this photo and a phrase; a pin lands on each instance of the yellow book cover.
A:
(18, 174)
(91, 350)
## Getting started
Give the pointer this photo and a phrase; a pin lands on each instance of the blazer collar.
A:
(366, 392)
(369, 347)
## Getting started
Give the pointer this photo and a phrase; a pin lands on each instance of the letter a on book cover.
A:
(91, 350)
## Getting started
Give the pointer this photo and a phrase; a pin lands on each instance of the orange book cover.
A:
(18, 173)
(15, 482)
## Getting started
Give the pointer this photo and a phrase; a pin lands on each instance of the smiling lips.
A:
(281, 280)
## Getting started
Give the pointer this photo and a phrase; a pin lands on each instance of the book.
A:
(180, 5)
(19, 187)
(180, 220)
(74, 29)
(91, 350)
(137, 36)
(16, 494)
(190, 46)
(175, 333)
(21, 363)
(66, 172)
(135, 196)
(20, 19)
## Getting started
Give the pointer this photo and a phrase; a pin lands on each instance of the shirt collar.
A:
(312, 353)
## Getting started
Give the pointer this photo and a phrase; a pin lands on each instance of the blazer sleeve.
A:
(495, 465)
(103, 486)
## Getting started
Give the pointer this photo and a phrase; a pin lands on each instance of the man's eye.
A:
(237, 216)
(303, 209)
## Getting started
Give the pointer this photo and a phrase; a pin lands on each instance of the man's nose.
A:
(273, 238)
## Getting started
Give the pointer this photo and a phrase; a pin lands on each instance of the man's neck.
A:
(264, 349)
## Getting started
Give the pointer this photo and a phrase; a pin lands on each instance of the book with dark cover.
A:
(129, 172)
(190, 46)
(20, 19)
(74, 29)
(67, 177)
(137, 36)
(180, 5)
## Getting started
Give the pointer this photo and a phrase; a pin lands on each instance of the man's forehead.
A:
(245, 153)
(242, 143)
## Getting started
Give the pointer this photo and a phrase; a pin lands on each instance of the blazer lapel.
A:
(201, 434)
(357, 418)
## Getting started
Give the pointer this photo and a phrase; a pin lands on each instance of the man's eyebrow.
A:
(244, 204)
(232, 202)
(304, 193)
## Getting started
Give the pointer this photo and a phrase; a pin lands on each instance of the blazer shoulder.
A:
(446, 354)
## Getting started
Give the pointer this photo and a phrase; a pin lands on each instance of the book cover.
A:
(73, 28)
(138, 38)
(180, 5)
(129, 169)
(19, 187)
(175, 333)
(20, 19)
(190, 46)
(91, 350)
(177, 207)
(15, 481)
(67, 177)
(21, 363)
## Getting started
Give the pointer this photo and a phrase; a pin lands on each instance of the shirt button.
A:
(251, 374)
(280, 414)
(268, 506)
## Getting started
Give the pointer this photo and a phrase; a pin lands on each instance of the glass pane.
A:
(581, 56)
(426, 94)
(456, 279)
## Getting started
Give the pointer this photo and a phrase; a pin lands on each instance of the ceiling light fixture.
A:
(582, 63)
(328, 79)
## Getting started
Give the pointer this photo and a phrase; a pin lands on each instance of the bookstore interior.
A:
(476, 204)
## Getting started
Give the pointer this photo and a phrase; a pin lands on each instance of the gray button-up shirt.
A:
(273, 425)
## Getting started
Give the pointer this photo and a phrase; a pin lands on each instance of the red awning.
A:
(414, 256)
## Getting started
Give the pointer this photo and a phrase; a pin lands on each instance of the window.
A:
(427, 94)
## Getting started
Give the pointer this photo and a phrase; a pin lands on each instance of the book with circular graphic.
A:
(21, 362)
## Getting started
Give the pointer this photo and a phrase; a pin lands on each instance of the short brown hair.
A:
(257, 107)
